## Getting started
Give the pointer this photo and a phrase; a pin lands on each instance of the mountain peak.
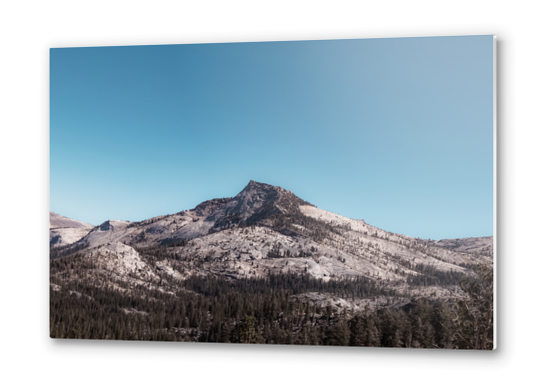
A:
(256, 202)
(267, 189)
(252, 184)
(258, 188)
(111, 225)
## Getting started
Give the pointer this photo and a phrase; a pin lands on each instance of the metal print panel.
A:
(318, 193)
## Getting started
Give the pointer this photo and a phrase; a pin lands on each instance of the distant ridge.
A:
(65, 231)
(59, 221)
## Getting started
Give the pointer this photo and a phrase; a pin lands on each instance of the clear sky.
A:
(398, 132)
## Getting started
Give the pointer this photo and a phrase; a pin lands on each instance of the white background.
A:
(29, 28)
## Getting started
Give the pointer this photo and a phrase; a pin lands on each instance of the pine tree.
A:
(247, 332)
(474, 313)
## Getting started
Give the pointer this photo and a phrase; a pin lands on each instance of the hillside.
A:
(477, 245)
(64, 231)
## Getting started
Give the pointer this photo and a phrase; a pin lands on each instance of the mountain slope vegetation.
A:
(264, 266)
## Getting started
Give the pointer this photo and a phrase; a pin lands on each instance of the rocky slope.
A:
(64, 231)
(477, 245)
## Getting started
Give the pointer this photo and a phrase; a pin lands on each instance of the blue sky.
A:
(398, 132)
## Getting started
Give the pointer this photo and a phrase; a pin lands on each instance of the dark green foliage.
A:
(93, 305)
(61, 251)
(172, 243)
(247, 332)
(473, 319)
(294, 284)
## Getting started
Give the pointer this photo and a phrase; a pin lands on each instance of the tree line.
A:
(217, 309)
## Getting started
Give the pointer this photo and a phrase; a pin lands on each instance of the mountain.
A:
(257, 203)
(64, 231)
(263, 234)
(267, 229)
